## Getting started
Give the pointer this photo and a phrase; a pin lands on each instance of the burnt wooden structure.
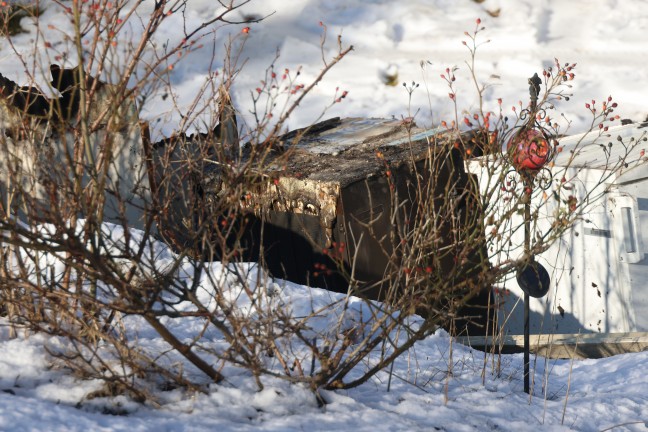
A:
(335, 196)
(38, 141)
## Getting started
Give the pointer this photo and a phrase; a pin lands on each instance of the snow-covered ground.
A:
(419, 39)
(587, 395)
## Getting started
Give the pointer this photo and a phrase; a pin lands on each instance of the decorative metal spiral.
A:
(531, 119)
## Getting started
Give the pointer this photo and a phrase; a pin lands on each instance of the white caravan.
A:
(598, 268)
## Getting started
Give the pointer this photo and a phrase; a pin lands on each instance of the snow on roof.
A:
(355, 132)
(621, 144)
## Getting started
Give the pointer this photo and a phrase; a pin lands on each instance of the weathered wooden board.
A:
(565, 346)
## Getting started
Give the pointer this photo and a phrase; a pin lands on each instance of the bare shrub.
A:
(91, 201)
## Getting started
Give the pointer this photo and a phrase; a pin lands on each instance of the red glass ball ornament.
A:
(529, 150)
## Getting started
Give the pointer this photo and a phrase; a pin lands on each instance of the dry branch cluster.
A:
(90, 206)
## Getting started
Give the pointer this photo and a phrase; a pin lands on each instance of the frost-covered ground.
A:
(607, 39)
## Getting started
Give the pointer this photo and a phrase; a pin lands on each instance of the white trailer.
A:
(598, 268)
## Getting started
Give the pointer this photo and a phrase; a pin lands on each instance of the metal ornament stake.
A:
(529, 151)
(527, 248)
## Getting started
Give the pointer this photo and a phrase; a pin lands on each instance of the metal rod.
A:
(534, 92)
(526, 343)
(527, 247)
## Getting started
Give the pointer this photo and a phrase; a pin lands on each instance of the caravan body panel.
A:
(598, 267)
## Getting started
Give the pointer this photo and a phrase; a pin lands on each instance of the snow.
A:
(438, 384)
(422, 396)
